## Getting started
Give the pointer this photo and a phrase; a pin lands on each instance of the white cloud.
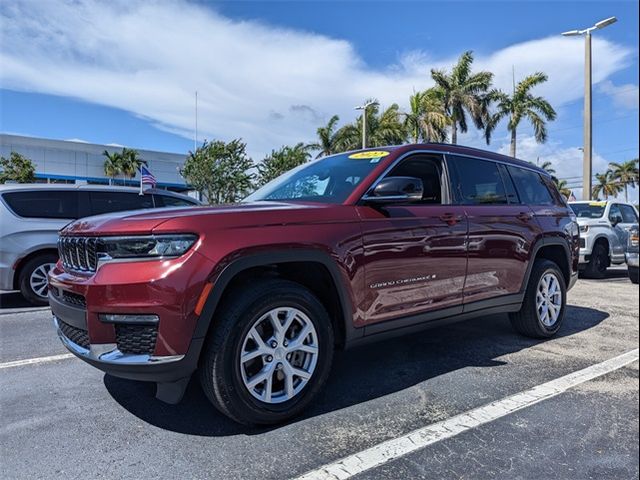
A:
(624, 96)
(266, 84)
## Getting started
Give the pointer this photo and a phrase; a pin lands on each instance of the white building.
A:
(64, 161)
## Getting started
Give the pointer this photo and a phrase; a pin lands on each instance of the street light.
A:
(364, 107)
(587, 165)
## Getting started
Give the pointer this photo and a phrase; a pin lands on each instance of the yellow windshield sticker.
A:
(369, 154)
(597, 204)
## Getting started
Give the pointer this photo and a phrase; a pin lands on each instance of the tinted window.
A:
(531, 186)
(106, 202)
(43, 204)
(628, 214)
(428, 170)
(169, 201)
(510, 188)
(477, 182)
(615, 213)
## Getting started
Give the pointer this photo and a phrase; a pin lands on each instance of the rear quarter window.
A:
(531, 186)
(170, 201)
(61, 204)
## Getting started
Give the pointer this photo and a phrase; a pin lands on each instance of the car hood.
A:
(144, 222)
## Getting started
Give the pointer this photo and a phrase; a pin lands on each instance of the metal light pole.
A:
(587, 160)
(364, 120)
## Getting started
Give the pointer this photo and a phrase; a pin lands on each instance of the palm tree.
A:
(520, 105)
(328, 138)
(565, 191)
(112, 165)
(606, 185)
(131, 162)
(626, 174)
(462, 92)
(547, 166)
(426, 120)
(382, 129)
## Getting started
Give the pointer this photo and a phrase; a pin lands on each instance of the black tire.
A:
(527, 321)
(598, 263)
(219, 369)
(633, 274)
(24, 280)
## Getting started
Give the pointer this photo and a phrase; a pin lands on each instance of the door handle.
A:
(451, 218)
(524, 216)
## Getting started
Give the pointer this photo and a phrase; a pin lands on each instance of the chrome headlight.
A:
(584, 228)
(147, 246)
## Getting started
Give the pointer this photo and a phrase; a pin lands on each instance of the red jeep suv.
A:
(255, 297)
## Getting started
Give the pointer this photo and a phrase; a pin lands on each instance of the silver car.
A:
(32, 214)
(632, 254)
(604, 232)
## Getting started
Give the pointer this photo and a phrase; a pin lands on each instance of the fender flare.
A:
(541, 243)
(262, 258)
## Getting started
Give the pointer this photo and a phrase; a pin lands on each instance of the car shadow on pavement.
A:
(356, 377)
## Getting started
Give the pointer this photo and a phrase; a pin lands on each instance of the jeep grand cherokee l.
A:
(354, 247)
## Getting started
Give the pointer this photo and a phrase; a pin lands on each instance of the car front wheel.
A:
(544, 304)
(269, 353)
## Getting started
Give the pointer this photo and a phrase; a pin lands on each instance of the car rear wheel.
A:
(269, 353)
(33, 278)
(598, 263)
(544, 304)
(633, 274)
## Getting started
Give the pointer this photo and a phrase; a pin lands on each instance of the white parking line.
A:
(35, 361)
(430, 434)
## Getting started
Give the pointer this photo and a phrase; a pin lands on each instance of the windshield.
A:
(588, 210)
(328, 180)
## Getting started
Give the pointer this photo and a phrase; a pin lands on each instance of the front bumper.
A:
(632, 259)
(164, 352)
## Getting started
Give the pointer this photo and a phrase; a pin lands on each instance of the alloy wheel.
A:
(39, 281)
(279, 355)
(549, 299)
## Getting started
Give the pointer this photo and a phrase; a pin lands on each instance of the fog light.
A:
(129, 318)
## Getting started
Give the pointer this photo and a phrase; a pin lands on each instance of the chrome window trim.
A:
(444, 154)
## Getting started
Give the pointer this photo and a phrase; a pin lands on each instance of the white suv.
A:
(604, 230)
(32, 214)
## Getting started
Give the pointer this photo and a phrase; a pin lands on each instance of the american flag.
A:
(146, 177)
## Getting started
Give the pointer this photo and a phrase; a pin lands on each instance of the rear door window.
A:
(44, 203)
(477, 182)
(531, 186)
(107, 202)
(628, 214)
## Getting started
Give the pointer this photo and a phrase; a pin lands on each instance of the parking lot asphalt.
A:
(63, 419)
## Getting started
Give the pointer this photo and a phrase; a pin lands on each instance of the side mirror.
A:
(616, 220)
(396, 190)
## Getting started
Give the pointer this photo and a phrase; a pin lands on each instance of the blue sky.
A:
(272, 72)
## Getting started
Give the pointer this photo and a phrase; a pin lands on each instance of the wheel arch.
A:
(320, 274)
(20, 264)
(555, 249)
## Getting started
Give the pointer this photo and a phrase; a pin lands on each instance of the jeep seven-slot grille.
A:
(79, 253)
(136, 339)
(76, 335)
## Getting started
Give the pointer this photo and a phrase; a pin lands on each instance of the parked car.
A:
(604, 230)
(632, 254)
(351, 248)
(31, 216)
